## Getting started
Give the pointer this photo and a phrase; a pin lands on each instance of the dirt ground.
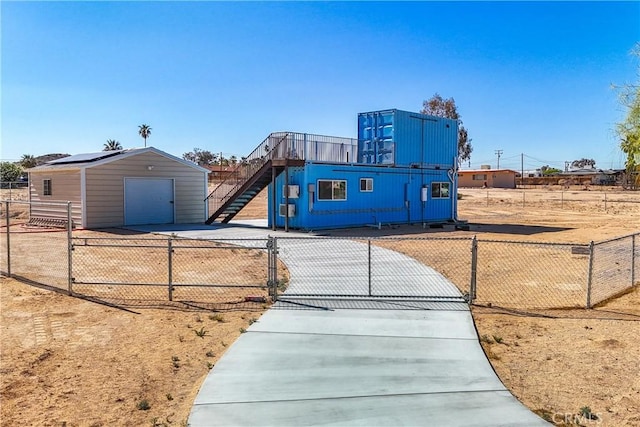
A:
(68, 361)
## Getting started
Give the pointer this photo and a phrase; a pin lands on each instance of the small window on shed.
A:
(480, 177)
(439, 190)
(366, 185)
(46, 185)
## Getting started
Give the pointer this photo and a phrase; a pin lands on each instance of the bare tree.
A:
(437, 106)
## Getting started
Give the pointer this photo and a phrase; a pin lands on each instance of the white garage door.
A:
(148, 201)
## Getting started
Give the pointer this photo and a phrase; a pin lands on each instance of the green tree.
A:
(112, 145)
(546, 170)
(200, 157)
(10, 172)
(437, 106)
(144, 132)
(629, 129)
(28, 161)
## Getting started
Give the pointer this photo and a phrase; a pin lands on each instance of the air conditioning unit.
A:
(294, 191)
(287, 212)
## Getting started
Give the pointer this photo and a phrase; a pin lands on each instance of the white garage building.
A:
(119, 188)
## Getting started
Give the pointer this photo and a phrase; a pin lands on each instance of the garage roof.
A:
(88, 160)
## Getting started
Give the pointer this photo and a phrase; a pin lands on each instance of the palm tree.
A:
(28, 161)
(112, 145)
(144, 132)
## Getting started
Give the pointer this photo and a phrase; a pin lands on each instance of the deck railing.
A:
(279, 146)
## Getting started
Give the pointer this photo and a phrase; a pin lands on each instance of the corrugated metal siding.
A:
(65, 187)
(105, 189)
(407, 138)
(395, 199)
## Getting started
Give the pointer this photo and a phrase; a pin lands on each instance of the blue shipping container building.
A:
(402, 169)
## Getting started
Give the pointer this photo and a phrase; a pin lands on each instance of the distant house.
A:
(122, 187)
(490, 178)
(221, 172)
(593, 176)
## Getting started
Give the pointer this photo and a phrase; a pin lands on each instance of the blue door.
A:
(148, 201)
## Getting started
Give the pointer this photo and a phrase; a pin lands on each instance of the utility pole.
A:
(522, 169)
(498, 153)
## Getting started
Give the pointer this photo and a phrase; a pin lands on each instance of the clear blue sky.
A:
(532, 78)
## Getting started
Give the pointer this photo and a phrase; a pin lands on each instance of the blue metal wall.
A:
(403, 138)
(395, 199)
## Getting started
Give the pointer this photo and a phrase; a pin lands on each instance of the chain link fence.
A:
(597, 200)
(614, 268)
(240, 273)
(531, 275)
(37, 254)
(228, 274)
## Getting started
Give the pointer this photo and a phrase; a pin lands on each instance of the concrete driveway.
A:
(326, 361)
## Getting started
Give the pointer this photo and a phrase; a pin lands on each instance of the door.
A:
(148, 201)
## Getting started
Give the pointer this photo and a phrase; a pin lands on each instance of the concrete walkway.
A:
(322, 362)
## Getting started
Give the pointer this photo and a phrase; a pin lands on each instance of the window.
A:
(332, 189)
(366, 185)
(46, 185)
(480, 177)
(439, 190)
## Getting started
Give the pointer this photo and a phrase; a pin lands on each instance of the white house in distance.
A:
(119, 188)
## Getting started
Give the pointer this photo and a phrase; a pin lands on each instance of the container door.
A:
(376, 138)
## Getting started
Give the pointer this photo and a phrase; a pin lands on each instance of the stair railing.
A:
(272, 147)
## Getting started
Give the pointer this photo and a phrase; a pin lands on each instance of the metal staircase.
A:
(249, 177)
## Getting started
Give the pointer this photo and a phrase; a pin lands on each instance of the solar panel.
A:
(86, 157)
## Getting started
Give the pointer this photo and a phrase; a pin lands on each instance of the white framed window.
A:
(46, 187)
(366, 185)
(439, 190)
(480, 177)
(332, 189)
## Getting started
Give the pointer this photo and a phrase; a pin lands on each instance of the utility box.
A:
(402, 138)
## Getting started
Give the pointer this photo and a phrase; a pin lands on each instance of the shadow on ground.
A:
(449, 229)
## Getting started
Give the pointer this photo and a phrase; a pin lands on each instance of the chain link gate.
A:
(384, 268)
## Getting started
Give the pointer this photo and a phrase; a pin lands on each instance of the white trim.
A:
(332, 181)
(365, 189)
(206, 194)
(83, 197)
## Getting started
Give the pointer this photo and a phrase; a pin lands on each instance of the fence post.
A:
(633, 259)
(474, 269)
(8, 225)
(269, 247)
(69, 249)
(274, 267)
(590, 273)
(170, 267)
(369, 257)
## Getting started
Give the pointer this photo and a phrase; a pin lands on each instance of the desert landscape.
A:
(74, 362)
